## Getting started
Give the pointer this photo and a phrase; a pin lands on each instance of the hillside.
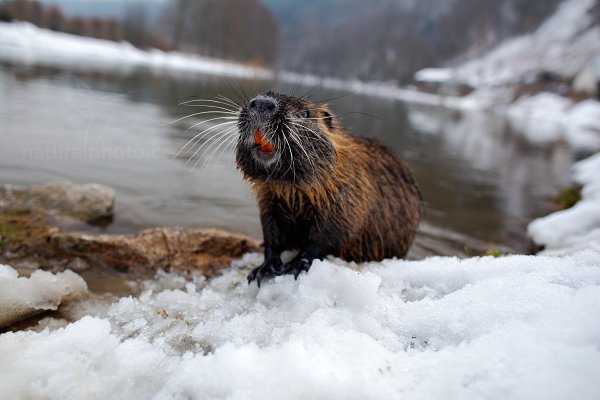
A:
(561, 46)
(390, 40)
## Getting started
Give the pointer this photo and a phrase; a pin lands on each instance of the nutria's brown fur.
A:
(321, 190)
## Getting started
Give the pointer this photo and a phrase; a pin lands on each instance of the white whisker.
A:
(204, 121)
(200, 135)
(307, 156)
(317, 135)
(227, 99)
(292, 161)
(201, 113)
(211, 107)
(222, 103)
(211, 139)
(221, 142)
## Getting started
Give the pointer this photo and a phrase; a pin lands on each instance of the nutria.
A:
(320, 190)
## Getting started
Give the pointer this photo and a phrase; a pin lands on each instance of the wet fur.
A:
(353, 198)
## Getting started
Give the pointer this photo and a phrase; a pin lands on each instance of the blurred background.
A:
(489, 102)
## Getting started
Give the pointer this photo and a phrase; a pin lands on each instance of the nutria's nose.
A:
(262, 105)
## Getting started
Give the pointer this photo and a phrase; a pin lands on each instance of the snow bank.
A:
(578, 227)
(562, 45)
(23, 297)
(546, 118)
(23, 43)
(514, 327)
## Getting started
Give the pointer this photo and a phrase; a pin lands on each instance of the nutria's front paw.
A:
(296, 266)
(269, 268)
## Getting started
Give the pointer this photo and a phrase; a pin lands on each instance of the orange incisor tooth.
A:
(264, 144)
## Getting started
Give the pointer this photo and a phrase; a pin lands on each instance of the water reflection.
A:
(510, 181)
(477, 179)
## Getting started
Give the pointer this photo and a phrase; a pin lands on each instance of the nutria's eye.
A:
(328, 119)
(304, 113)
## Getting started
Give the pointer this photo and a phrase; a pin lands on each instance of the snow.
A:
(546, 118)
(563, 45)
(434, 75)
(23, 43)
(586, 82)
(21, 297)
(517, 327)
(576, 228)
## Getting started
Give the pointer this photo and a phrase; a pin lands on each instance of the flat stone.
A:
(183, 250)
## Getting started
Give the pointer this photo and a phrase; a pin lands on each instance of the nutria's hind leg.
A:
(272, 266)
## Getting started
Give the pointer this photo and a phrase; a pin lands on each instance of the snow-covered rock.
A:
(576, 228)
(516, 327)
(22, 297)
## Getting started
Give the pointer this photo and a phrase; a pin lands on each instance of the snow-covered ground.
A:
(576, 228)
(517, 327)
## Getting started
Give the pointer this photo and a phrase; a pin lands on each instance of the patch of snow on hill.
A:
(562, 45)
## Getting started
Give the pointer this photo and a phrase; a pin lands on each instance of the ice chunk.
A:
(23, 297)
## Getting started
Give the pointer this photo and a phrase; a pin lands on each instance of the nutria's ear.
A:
(327, 118)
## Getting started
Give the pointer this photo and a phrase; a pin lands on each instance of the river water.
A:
(481, 183)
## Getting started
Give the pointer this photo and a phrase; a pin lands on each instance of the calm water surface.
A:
(480, 182)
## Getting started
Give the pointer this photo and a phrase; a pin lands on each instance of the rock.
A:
(184, 250)
(88, 202)
(20, 229)
(21, 297)
(30, 239)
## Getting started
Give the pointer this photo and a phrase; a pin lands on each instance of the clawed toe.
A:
(270, 269)
(266, 270)
(295, 267)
